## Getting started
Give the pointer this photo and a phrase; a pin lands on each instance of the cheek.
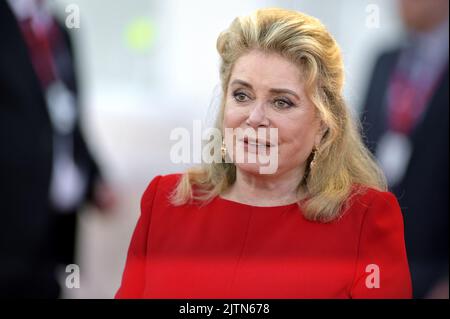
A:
(297, 139)
(233, 117)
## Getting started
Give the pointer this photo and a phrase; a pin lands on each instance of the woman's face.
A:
(266, 91)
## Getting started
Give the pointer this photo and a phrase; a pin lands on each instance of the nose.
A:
(257, 116)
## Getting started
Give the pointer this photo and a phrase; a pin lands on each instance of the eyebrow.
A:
(273, 90)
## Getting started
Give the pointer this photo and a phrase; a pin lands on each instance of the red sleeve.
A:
(133, 279)
(382, 269)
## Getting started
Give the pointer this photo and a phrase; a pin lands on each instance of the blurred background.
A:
(139, 69)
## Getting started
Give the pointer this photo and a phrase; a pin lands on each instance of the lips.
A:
(256, 142)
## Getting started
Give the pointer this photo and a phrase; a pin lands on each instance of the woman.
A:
(321, 226)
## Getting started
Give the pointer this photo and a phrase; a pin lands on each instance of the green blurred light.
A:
(140, 34)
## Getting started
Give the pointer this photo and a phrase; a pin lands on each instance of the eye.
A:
(283, 103)
(240, 97)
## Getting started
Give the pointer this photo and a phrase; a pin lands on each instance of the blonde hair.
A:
(343, 159)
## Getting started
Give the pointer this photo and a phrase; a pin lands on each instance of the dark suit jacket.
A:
(423, 192)
(26, 257)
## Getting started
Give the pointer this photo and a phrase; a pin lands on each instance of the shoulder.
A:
(387, 58)
(367, 200)
(160, 187)
(375, 214)
(162, 184)
(369, 195)
(378, 215)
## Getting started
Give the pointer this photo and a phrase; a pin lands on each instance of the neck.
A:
(265, 190)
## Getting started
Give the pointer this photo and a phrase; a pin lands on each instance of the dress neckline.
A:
(254, 206)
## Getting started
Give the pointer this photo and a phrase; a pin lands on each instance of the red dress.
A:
(231, 250)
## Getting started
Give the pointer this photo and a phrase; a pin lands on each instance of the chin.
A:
(253, 168)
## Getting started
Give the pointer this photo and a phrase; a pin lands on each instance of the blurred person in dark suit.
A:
(46, 169)
(405, 120)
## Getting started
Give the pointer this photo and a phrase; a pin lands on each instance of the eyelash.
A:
(286, 101)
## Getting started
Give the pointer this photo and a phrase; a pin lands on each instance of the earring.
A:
(224, 151)
(313, 161)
